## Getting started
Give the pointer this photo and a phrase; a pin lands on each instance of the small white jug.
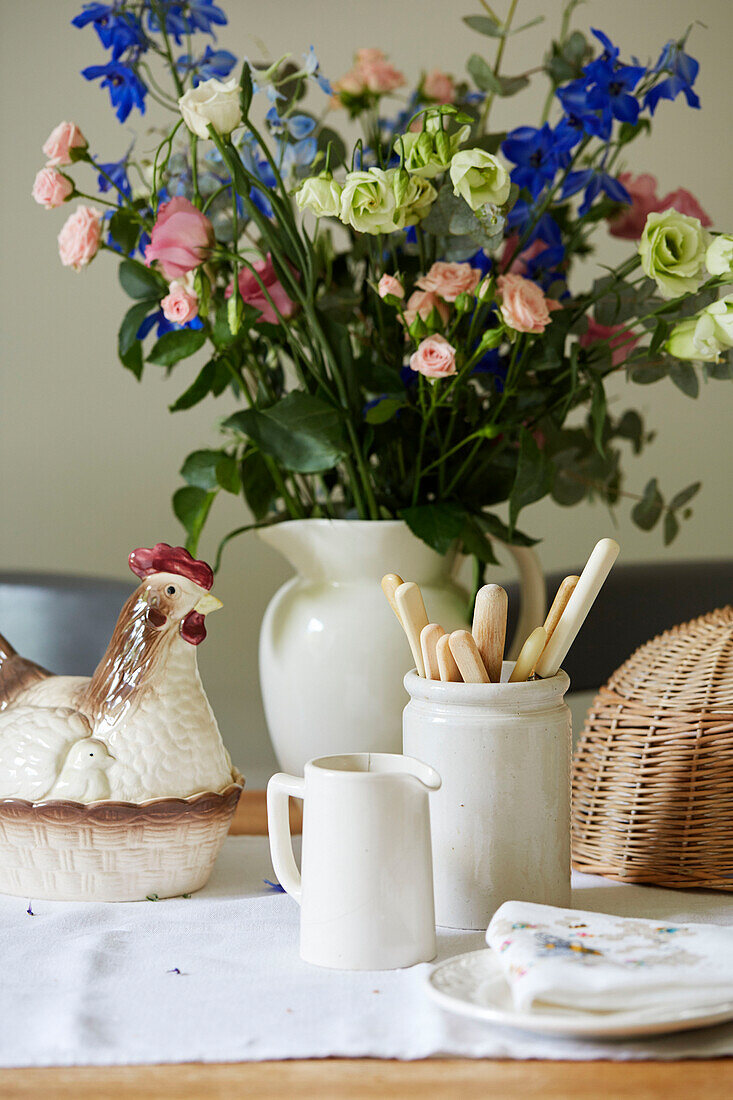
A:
(366, 892)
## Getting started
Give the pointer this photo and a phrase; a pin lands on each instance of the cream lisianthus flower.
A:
(368, 202)
(212, 102)
(479, 178)
(321, 195)
(719, 256)
(418, 198)
(428, 152)
(672, 250)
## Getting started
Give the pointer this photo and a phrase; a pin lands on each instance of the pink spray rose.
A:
(80, 237)
(630, 221)
(389, 285)
(66, 136)
(180, 304)
(435, 357)
(372, 72)
(685, 203)
(450, 279)
(421, 303)
(523, 305)
(621, 344)
(252, 293)
(439, 86)
(51, 188)
(182, 238)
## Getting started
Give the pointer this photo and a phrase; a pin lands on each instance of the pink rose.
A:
(389, 285)
(60, 141)
(621, 344)
(182, 238)
(685, 203)
(252, 293)
(450, 279)
(630, 221)
(180, 304)
(523, 305)
(439, 86)
(372, 72)
(79, 237)
(51, 188)
(520, 263)
(421, 303)
(435, 358)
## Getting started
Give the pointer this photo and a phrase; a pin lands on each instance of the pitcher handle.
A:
(532, 595)
(279, 789)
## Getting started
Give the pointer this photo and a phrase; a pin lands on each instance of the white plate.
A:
(474, 985)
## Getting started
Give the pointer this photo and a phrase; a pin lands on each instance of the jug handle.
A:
(532, 595)
(279, 789)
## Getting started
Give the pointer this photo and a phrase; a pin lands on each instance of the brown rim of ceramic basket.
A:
(652, 781)
(107, 812)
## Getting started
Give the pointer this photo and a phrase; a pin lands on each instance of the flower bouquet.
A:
(394, 322)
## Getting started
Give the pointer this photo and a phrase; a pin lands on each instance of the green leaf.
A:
(685, 495)
(644, 374)
(328, 137)
(483, 76)
(199, 469)
(525, 26)
(127, 336)
(533, 477)
(685, 377)
(646, 513)
(720, 371)
(384, 410)
(124, 228)
(671, 527)
(176, 345)
(245, 89)
(302, 432)
(660, 335)
(493, 526)
(133, 360)
(139, 281)
(598, 413)
(439, 525)
(376, 377)
(191, 507)
(631, 427)
(474, 541)
(227, 474)
(199, 388)
(259, 489)
(483, 24)
(510, 85)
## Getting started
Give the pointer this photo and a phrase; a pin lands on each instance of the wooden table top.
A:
(352, 1079)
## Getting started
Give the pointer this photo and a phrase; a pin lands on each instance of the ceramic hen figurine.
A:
(141, 727)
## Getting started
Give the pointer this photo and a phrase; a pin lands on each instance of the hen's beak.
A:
(207, 604)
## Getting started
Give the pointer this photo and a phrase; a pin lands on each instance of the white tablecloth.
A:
(217, 978)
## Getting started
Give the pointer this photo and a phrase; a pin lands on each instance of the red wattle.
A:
(193, 629)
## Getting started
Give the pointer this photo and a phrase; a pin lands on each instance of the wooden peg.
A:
(467, 657)
(563, 594)
(390, 583)
(429, 636)
(489, 628)
(447, 667)
(529, 655)
(413, 617)
(596, 570)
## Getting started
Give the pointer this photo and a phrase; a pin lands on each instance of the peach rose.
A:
(421, 303)
(181, 240)
(180, 304)
(439, 86)
(630, 221)
(389, 285)
(450, 279)
(372, 72)
(622, 343)
(60, 141)
(435, 358)
(80, 237)
(685, 203)
(51, 188)
(523, 305)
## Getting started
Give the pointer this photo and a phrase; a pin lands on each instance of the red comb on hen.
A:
(163, 558)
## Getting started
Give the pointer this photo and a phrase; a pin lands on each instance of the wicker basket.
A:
(113, 851)
(653, 772)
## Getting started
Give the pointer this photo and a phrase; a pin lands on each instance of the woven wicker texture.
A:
(653, 772)
(113, 851)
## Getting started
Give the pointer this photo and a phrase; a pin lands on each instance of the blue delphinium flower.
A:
(116, 172)
(126, 90)
(159, 319)
(213, 64)
(682, 70)
(537, 155)
(117, 30)
(612, 90)
(180, 20)
(312, 67)
(579, 117)
(594, 181)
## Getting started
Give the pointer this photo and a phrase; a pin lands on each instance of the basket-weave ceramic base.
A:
(113, 851)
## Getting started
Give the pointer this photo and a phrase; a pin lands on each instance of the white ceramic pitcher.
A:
(366, 890)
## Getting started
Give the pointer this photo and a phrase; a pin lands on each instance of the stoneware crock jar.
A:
(501, 819)
(332, 656)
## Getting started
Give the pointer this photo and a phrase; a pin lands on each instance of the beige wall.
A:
(89, 457)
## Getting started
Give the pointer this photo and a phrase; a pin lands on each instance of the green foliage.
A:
(191, 506)
(139, 281)
(302, 432)
(173, 346)
(533, 478)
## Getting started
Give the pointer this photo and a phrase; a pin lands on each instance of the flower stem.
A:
(484, 116)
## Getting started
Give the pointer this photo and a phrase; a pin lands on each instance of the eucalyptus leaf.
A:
(647, 511)
(483, 75)
(685, 378)
(671, 527)
(484, 24)
(685, 495)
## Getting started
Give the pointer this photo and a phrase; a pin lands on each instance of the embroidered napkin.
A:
(594, 962)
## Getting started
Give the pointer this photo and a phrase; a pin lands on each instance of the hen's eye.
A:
(171, 590)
